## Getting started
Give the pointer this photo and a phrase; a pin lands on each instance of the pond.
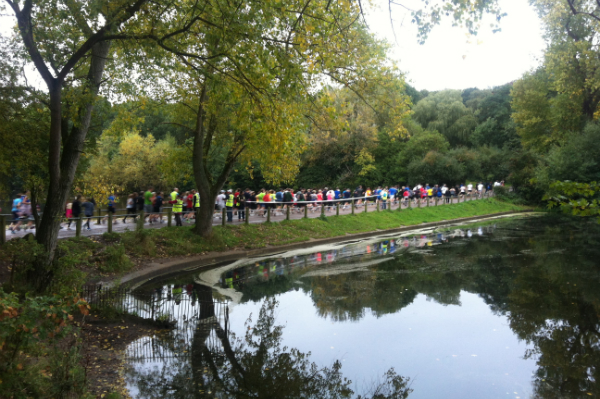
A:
(508, 308)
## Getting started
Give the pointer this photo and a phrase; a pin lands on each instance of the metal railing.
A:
(259, 212)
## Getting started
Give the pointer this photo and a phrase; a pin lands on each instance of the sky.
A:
(446, 60)
(491, 59)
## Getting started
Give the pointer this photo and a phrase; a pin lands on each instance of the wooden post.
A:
(169, 216)
(409, 202)
(110, 222)
(428, 202)
(3, 228)
(419, 202)
(389, 205)
(99, 221)
(337, 209)
(305, 211)
(287, 212)
(247, 215)
(223, 216)
(366, 202)
(323, 209)
(352, 207)
(140, 222)
(78, 224)
(268, 213)
(377, 206)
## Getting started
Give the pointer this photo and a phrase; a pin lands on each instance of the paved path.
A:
(119, 226)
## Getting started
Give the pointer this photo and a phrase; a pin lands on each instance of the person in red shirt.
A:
(189, 202)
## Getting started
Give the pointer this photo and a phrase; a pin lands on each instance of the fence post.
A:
(409, 202)
(305, 211)
(337, 209)
(287, 212)
(110, 222)
(268, 213)
(223, 216)
(323, 209)
(247, 215)
(78, 224)
(3, 228)
(99, 221)
(169, 214)
(140, 222)
(419, 202)
(377, 205)
(352, 206)
(366, 202)
(427, 202)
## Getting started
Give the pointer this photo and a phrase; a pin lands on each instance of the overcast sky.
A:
(446, 60)
(499, 57)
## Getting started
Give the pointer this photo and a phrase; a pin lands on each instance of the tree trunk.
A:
(63, 168)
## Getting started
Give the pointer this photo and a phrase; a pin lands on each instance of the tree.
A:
(445, 112)
(69, 44)
(251, 95)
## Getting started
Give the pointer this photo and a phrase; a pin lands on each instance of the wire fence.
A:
(248, 212)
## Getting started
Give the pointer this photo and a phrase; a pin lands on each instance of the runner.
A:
(88, 211)
(131, 207)
(148, 204)
(16, 209)
(75, 210)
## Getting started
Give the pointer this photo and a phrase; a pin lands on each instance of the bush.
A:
(116, 260)
(39, 354)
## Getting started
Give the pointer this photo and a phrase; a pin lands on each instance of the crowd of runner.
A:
(238, 202)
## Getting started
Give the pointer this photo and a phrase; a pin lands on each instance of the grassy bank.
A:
(111, 254)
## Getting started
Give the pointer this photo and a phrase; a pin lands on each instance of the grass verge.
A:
(114, 254)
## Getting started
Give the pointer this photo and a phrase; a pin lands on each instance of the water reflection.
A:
(207, 361)
(539, 274)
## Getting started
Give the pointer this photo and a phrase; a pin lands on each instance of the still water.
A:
(504, 309)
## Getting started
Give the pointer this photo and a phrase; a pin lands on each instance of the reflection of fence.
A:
(184, 309)
(163, 349)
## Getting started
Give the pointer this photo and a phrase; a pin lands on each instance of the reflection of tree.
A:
(542, 275)
(258, 366)
(253, 366)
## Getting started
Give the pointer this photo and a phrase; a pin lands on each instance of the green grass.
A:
(78, 264)
(176, 241)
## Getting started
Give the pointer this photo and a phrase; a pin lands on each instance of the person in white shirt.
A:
(469, 188)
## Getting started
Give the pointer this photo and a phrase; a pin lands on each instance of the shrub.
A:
(116, 260)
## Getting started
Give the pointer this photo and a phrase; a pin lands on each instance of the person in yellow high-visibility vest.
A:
(174, 194)
(177, 208)
(229, 205)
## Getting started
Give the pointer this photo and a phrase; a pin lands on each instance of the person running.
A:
(148, 197)
(384, 194)
(240, 204)
(26, 213)
(75, 210)
(157, 204)
(469, 189)
(111, 208)
(220, 204)
(88, 211)
(16, 209)
(131, 205)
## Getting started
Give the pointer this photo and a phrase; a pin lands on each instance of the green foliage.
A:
(116, 259)
(579, 199)
(445, 112)
(34, 328)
